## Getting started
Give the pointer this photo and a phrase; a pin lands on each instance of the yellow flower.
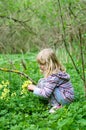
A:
(5, 84)
(6, 90)
(24, 86)
(13, 94)
(5, 93)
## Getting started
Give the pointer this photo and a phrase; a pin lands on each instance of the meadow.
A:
(21, 110)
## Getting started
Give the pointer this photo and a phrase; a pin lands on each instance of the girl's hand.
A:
(31, 87)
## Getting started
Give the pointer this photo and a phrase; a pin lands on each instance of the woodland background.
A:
(30, 25)
(26, 27)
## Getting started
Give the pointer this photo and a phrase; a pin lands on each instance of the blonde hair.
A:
(48, 58)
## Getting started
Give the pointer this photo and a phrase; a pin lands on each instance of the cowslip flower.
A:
(5, 84)
(13, 94)
(4, 90)
(5, 93)
(24, 86)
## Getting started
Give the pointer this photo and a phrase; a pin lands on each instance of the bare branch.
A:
(63, 37)
(82, 59)
(17, 72)
(20, 22)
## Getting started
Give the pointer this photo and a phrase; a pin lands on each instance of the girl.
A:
(56, 85)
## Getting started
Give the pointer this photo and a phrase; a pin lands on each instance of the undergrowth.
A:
(29, 112)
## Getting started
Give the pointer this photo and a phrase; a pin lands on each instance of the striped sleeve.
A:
(48, 87)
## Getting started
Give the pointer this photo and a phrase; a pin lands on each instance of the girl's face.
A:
(42, 68)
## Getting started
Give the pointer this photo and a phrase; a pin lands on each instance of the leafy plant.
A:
(27, 111)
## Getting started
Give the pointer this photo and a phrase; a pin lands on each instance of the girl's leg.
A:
(59, 97)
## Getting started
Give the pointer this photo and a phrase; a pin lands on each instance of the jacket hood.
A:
(63, 75)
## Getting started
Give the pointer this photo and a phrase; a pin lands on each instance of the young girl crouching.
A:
(56, 85)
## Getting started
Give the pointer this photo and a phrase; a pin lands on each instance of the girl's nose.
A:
(41, 66)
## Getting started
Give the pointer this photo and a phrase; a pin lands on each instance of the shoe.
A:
(53, 109)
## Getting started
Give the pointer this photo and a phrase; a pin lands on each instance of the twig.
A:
(18, 72)
(63, 36)
(77, 70)
(82, 59)
(23, 23)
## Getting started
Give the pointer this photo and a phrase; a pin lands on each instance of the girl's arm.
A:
(46, 89)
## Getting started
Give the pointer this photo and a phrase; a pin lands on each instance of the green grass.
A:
(29, 112)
